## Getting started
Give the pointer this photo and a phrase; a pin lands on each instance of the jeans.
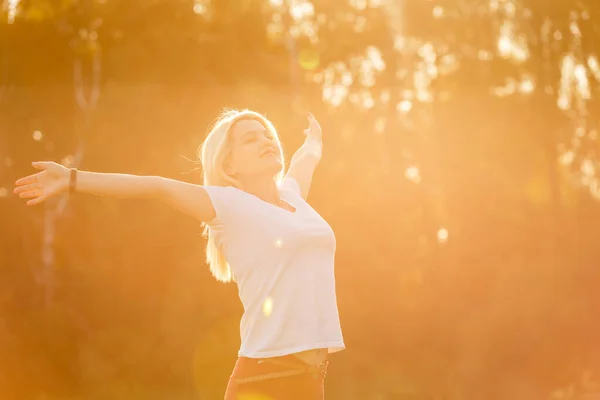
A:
(277, 378)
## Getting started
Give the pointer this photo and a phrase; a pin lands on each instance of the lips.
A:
(268, 152)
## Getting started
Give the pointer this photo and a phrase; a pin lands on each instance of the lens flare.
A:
(268, 306)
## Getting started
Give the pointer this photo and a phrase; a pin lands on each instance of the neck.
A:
(262, 187)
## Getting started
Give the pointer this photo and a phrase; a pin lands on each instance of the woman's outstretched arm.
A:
(307, 157)
(53, 179)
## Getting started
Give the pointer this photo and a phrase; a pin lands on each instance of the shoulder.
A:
(228, 202)
(289, 184)
(222, 191)
(224, 195)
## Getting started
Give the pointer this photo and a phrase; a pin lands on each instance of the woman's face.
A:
(254, 150)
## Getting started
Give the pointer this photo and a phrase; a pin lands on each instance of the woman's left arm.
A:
(307, 157)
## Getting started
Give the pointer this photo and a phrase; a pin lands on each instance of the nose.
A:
(266, 142)
(265, 139)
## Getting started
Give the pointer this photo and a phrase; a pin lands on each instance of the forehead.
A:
(240, 128)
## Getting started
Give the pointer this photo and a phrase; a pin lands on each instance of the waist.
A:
(312, 357)
(311, 362)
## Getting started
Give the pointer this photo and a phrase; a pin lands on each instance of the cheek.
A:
(243, 158)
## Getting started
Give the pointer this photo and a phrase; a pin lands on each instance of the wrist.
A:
(313, 146)
(314, 141)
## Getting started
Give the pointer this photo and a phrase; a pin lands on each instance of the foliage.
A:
(459, 176)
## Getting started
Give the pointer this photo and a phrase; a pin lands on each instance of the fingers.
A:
(30, 194)
(27, 180)
(314, 129)
(36, 196)
(42, 165)
(312, 121)
(36, 201)
(28, 188)
(25, 188)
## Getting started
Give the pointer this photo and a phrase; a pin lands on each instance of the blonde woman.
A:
(261, 233)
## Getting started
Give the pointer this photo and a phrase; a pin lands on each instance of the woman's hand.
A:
(52, 180)
(313, 145)
(313, 132)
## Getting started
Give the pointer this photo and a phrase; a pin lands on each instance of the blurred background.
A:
(460, 174)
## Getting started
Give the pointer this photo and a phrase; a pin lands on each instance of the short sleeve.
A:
(226, 201)
(290, 184)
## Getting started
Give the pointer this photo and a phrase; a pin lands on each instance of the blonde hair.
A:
(213, 153)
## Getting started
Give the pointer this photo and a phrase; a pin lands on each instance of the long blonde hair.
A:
(213, 153)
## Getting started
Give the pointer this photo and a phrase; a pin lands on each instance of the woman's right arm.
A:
(53, 179)
(190, 199)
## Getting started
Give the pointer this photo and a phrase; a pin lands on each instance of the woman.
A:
(261, 233)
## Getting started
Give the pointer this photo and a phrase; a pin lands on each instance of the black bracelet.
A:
(73, 181)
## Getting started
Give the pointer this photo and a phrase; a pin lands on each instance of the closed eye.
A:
(251, 136)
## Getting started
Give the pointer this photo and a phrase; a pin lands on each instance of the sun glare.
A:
(511, 45)
(268, 306)
(300, 9)
(11, 9)
(413, 174)
(404, 106)
(442, 235)
(526, 86)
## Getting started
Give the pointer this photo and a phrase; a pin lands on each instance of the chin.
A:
(276, 170)
(274, 164)
(269, 166)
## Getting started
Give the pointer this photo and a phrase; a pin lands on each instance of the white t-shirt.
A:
(282, 262)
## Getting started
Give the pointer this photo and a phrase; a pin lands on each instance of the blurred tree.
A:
(460, 176)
